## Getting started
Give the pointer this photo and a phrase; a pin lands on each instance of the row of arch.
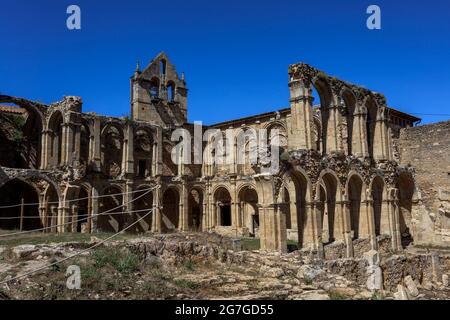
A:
(354, 115)
(367, 206)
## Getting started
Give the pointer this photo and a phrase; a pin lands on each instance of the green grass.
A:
(123, 262)
(189, 265)
(186, 284)
(250, 244)
(334, 295)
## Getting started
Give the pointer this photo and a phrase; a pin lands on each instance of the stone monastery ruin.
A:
(355, 174)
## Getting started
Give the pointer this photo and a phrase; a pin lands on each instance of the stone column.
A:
(317, 228)
(76, 148)
(45, 150)
(68, 143)
(184, 209)
(73, 218)
(348, 232)
(204, 226)
(302, 120)
(154, 159)
(332, 134)
(217, 220)
(128, 204)
(96, 146)
(381, 140)
(359, 139)
(371, 220)
(396, 233)
(94, 211)
(272, 227)
(157, 215)
(54, 218)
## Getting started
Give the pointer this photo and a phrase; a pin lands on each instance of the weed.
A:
(186, 284)
(335, 295)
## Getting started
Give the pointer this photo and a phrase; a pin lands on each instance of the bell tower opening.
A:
(159, 94)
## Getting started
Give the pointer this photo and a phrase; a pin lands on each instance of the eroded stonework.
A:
(341, 181)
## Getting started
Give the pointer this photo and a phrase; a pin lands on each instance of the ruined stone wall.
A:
(427, 148)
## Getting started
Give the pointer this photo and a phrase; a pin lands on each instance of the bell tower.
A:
(158, 94)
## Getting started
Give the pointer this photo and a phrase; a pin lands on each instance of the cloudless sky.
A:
(235, 53)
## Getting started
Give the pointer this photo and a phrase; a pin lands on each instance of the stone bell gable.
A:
(158, 94)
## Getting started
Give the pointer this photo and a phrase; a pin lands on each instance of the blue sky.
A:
(235, 53)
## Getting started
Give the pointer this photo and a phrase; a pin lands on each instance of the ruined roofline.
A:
(252, 117)
(304, 71)
(24, 103)
(404, 115)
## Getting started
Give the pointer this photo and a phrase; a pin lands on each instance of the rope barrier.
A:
(80, 215)
(73, 200)
(77, 254)
(72, 222)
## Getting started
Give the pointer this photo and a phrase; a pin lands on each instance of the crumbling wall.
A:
(427, 149)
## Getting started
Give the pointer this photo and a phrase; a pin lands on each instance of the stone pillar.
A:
(205, 225)
(76, 148)
(63, 212)
(68, 143)
(395, 218)
(94, 210)
(154, 159)
(96, 146)
(272, 220)
(348, 232)
(54, 218)
(73, 218)
(157, 214)
(45, 150)
(184, 209)
(128, 204)
(159, 154)
(371, 220)
(360, 147)
(217, 220)
(339, 213)
(302, 121)
(317, 228)
(332, 134)
(381, 140)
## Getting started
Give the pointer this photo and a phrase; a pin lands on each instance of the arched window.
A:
(154, 88)
(162, 67)
(170, 92)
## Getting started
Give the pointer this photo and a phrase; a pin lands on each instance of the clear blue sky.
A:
(235, 53)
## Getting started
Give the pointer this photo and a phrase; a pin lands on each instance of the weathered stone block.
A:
(411, 286)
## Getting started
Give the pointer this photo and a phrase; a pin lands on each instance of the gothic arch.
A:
(248, 205)
(329, 182)
(378, 196)
(356, 193)
(299, 188)
(14, 192)
(171, 209)
(112, 144)
(55, 128)
(111, 215)
(222, 200)
(196, 213)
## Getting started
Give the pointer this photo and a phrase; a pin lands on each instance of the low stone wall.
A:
(427, 149)
(337, 250)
